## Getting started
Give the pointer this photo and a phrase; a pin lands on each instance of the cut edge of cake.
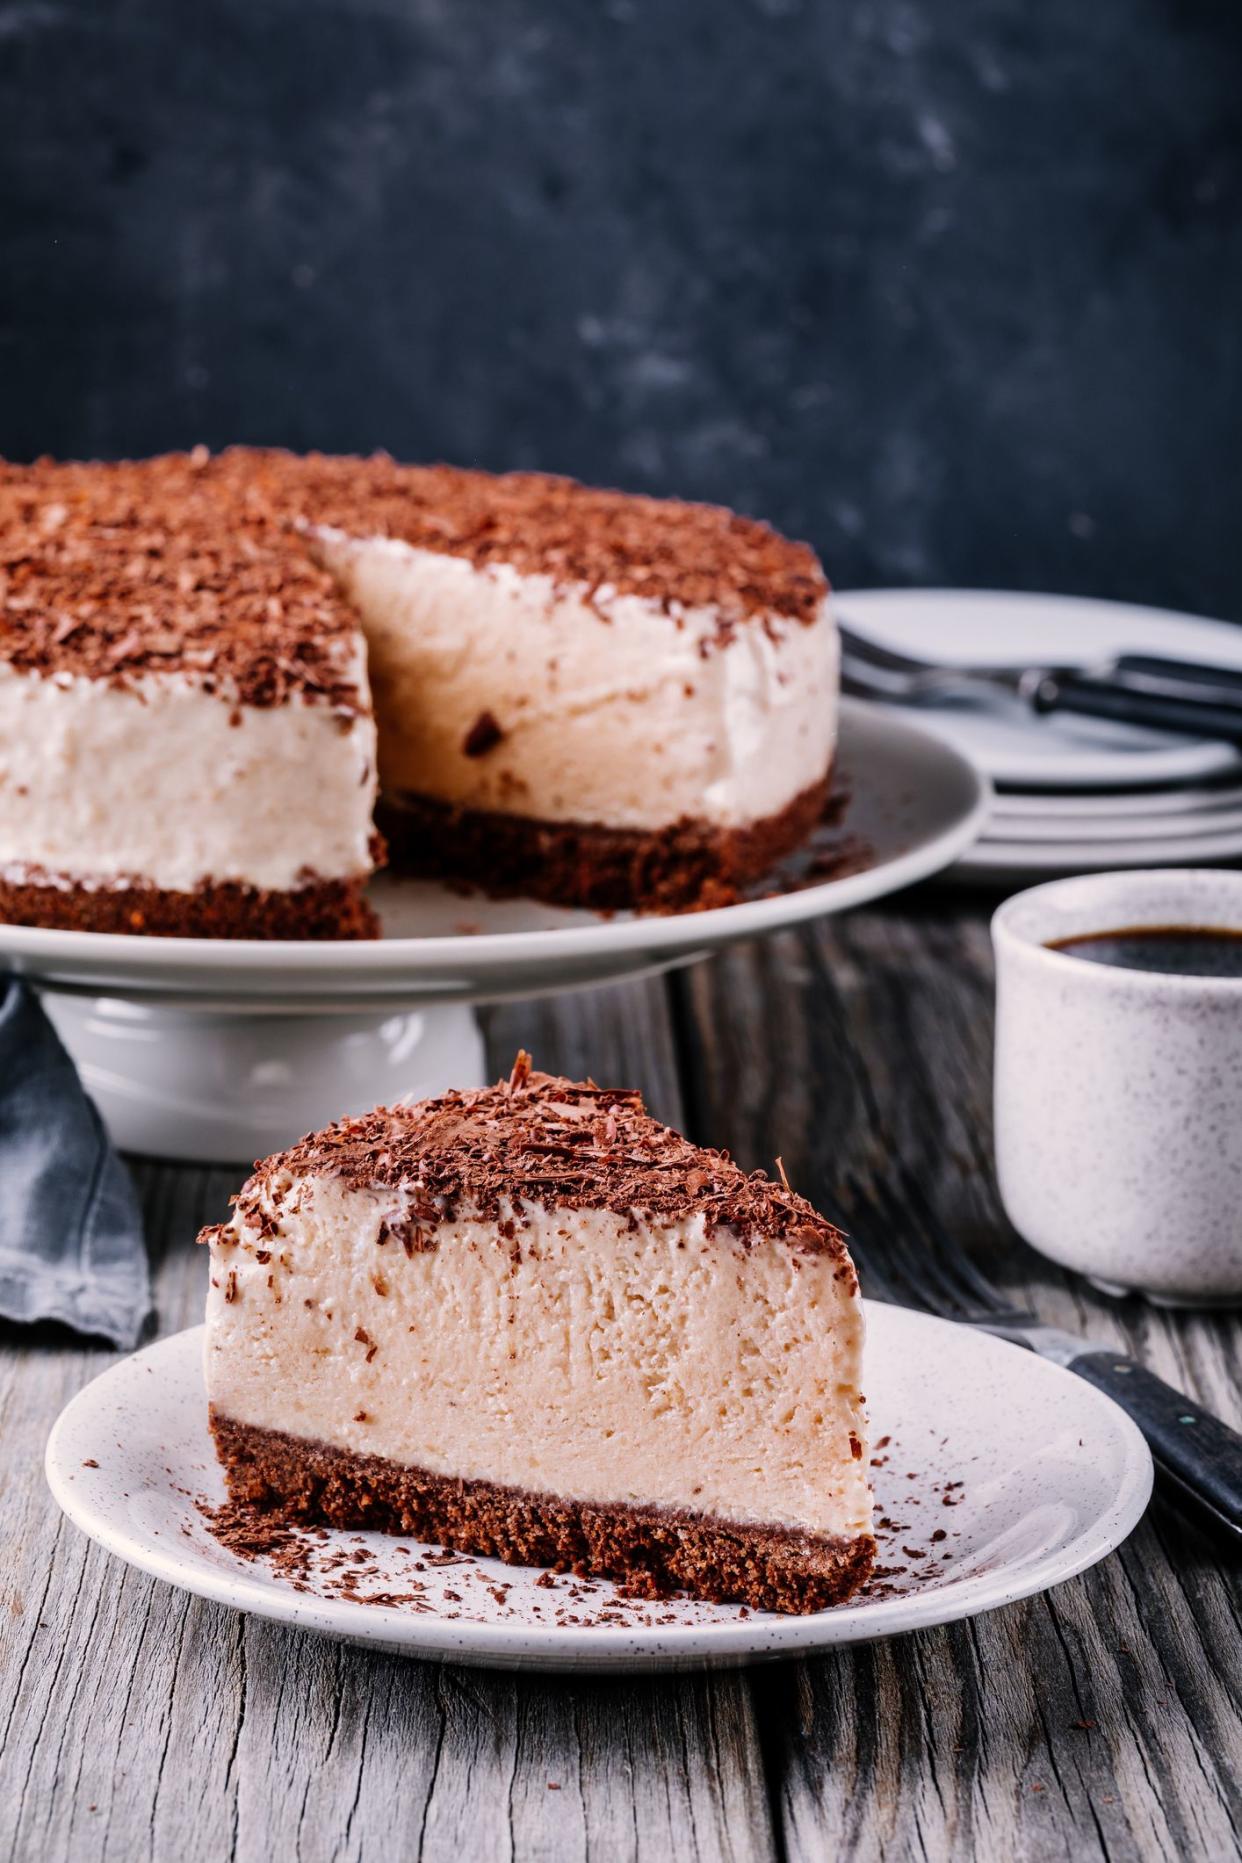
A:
(591, 726)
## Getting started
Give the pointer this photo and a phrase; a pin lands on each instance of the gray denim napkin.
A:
(71, 1246)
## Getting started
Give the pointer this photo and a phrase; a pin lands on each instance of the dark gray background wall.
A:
(951, 287)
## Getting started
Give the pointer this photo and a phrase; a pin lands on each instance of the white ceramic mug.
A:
(1119, 1092)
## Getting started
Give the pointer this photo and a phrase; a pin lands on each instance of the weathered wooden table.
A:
(1103, 1719)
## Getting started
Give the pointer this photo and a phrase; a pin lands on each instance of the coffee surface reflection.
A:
(1171, 950)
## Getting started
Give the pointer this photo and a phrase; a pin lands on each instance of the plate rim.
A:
(552, 1647)
(1003, 856)
(390, 968)
(1117, 831)
(1172, 802)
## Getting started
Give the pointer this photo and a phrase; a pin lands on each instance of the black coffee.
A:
(1174, 950)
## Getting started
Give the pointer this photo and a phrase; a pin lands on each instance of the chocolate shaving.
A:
(534, 1138)
(483, 735)
(162, 566)
(209, 562)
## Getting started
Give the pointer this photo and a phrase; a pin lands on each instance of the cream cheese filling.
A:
(611, 710)
(161, 781)
(585, 1358)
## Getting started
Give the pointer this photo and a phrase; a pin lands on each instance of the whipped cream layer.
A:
(584, 1357)
(610, 709)
(160, 781)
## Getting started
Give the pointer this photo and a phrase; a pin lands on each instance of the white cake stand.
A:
(224, 1050)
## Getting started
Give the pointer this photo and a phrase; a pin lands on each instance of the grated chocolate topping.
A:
(206, 562)
(538, 1139)
(121, 571)
(675, 554)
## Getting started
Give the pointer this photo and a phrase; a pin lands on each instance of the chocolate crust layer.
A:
(650, 1550)
(320, 910)
(538, 1139)
(687, 867)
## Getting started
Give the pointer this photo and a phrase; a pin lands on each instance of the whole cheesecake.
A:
(535, 1323)
(584, 696)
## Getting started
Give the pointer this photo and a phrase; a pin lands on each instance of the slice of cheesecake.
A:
(535, 1323)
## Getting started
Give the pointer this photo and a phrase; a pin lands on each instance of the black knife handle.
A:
(1182, 672)
(1100, 698)
(1202, 1454)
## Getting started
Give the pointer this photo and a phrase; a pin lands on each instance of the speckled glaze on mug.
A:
(1119, 1092)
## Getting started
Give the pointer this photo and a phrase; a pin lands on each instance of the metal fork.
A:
(1200, 1456)
(1143, 689)
(910, 680)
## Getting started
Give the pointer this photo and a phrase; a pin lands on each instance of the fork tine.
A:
(871, 653)
(860, 681)
(866, 659)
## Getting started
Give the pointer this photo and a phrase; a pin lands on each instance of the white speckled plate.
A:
(1001, 1475)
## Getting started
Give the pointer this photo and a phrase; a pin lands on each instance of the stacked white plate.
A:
(1073, 794)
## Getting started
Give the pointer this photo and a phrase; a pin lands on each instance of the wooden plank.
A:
(91, 1653)
(141, 1722)
(620, 1036)
(1104, 1719)
(1101, 1720)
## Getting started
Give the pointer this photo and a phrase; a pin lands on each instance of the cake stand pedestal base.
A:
(230, 1086)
